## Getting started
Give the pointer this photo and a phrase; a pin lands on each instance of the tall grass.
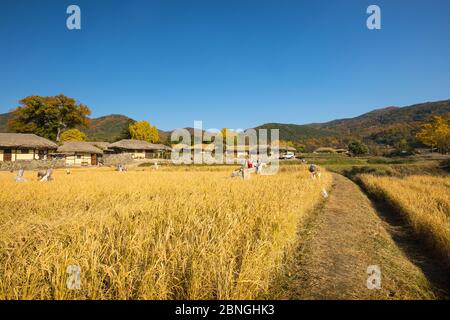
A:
(150, 234)
(424, 201)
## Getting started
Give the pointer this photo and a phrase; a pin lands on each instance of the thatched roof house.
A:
(25, 140)
(24, 146)
(181, 146)
(161, 146)
(282, 150)
(102, 145)
(71, 147)
(287, 149)
(329, 150)
(80, 153)
(140, 149)
(324, 150)
(203, 147)
(131, 144)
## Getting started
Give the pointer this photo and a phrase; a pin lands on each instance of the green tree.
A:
(300, 148)
(48, 116)
(73, 135)
(125, 131)
(402, 145)
(143, 130)
(357, 148)
(436, 133)
(286, 143)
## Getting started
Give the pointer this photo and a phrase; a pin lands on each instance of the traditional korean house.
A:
(24, 146)
(140, 149)
(80, 153)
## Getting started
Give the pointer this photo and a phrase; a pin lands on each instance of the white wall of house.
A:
(78, 159)
(135, 154)
(156, 154)
(20, 154)
(23, 154)
(138, 154)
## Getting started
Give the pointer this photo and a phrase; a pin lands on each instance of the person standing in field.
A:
(249, 164)
(313, 170)
(258, 166)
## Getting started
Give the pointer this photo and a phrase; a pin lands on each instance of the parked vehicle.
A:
(288, 155)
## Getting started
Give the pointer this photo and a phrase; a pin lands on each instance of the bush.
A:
(358, 148)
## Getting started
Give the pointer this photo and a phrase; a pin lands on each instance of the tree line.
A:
(59, 118)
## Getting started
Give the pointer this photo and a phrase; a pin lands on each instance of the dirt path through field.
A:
(336, 247)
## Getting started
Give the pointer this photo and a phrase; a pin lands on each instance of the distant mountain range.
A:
(382, 126)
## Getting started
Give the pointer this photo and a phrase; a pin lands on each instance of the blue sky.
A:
(230, 63)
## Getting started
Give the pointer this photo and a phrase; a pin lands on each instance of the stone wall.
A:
(31, 164)
(116, 159)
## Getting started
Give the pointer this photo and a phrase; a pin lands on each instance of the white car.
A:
(288, 155)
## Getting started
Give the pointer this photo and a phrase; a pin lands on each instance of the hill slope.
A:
(4, 117)
(414, 114)
(295, 132)
(107, 128)
(381, 126)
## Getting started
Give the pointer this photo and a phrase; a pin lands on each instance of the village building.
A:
(102, 145)
(140, 149)
(203, 148)
(245, 151)
(330, 150)
(284, 150)
(180, 147)
(80, 153)
(24, 146)
(341, 151)
(241, 151)
(258, 149)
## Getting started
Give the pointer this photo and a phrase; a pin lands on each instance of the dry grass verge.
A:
(423, 200)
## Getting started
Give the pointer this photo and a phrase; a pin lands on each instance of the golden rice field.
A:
(424, 201)
(166, 234)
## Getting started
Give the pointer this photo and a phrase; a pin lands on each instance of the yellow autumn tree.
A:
(284, 143)
(72, 135)
(436, 133)
(232, 135)
(143, 130)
